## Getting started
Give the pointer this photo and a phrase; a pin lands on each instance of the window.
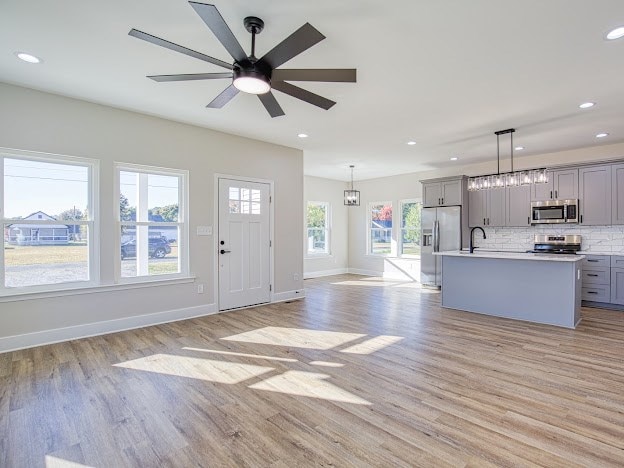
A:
(152, 222)
(48, 222)
(410, 228)
(380, 228)
(318, 228)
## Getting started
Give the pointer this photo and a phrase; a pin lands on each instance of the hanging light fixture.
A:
(352, 197)
(507, 179)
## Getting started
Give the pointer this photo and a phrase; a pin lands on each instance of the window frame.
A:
(93, 223)
(369, 230)
(402, 227)
(182, 223)
(328, 225)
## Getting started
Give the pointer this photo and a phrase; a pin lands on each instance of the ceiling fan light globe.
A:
(251, 81)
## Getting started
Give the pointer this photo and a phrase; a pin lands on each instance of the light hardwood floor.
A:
(363, 372)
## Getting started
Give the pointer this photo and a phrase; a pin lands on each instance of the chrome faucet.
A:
(472, 247)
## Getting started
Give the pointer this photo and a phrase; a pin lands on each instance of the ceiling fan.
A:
(250, 74)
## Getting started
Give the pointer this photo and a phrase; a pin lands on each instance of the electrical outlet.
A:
(200, 289)
(296, 276)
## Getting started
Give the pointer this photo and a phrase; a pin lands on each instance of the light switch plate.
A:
(204, 230)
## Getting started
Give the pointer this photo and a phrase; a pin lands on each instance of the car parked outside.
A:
(158, 247)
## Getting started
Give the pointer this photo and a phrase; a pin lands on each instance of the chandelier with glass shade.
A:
(507, 179)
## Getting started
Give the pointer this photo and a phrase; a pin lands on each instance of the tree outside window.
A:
(317, 228)
(410, 228)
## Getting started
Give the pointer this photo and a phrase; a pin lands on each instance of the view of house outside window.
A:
(410, 228)
(318, 228)
(380, 228)
(47, 221)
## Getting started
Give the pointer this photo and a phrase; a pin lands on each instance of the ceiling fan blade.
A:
(302, 39)
(271, 104)
(222, 99)
(219, 27)
(190, 77)
(302, 94)
(178, 48)
(344, 75)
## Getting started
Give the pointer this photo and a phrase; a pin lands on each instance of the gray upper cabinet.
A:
(487, 207)
(444, 193)
(519, 206)
(617, 202)
(562, 184)
(595, 198)
(452, 193)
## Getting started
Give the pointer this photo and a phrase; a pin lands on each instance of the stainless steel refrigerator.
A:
(441, 231)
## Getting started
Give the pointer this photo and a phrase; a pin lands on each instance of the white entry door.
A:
(243, 244)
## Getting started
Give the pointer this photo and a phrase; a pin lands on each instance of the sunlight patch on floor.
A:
(326, 364)
(232, 353)
(308, 384)
(55, 462)
(372, 345)
(195, 368)
(295, 337)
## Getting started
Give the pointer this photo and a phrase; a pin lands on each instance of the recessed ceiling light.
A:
(27, 57)
(587, 105)
(602, 135)
(519, 148)
(302, 135)
(616, 33)
(454, 158)
(411, 142)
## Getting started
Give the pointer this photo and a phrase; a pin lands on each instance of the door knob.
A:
(225, 251)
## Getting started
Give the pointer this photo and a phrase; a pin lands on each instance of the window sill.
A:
(90, 289)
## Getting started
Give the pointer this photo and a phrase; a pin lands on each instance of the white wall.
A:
(331, 191)
(32, 120)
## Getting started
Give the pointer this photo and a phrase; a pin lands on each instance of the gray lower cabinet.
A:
(596, 276)
(595, 195)
(617, 286)
(518, 213)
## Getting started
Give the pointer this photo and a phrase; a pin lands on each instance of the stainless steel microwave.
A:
(554, 211)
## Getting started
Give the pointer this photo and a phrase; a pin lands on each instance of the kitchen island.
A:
(524, 286)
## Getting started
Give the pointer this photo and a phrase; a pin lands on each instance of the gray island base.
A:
(533, 287)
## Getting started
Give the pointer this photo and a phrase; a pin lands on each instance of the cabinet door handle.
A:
(596, 261)
(442, 200)
(581, 218)
(551, 194)
(592, 292)
(528, 220)
(484, 221)
(591, 274)
(555, 194)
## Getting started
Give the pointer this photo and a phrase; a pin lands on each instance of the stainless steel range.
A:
(568, 244)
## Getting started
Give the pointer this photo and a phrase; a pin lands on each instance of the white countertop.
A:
(512, 255)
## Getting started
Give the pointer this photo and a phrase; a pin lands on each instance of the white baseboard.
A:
(56, 335)
(287, 295)
(319, 274)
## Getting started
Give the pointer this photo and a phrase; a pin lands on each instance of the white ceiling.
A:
(445, 73)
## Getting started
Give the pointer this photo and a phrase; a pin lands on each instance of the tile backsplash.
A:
(601, 239)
